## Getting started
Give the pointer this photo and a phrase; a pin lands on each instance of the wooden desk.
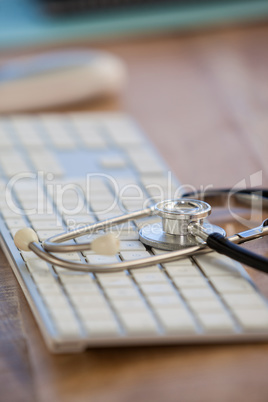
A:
(202, 98)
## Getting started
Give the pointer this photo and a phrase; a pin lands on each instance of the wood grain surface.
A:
(202, 98)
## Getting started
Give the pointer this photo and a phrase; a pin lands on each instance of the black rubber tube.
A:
(224, 246)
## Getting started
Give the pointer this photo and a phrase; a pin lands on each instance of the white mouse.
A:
(58, 78)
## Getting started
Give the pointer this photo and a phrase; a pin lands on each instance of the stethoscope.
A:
(184, 231)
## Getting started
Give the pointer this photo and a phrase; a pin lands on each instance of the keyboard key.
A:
(107, 215)
(128, 305)
(184, 262)
(5, 140)
(9, 213)
(46, 234)
(90, 300)
(27, 132)
(81, 288)
(244, 301)
(13, 163)
(79, 220)
(37, 265)
(131, 245)
(68, 329)
(126, 235)
(113, 280)
(117, 229)
(66, 272)
(67, 202)
(62, 313)
(174, 320)
(124, 133)
(29, 256)
(75, 277)
(216, 322)
(190, 282)
(113, 162)
(57, 132)
(49, 289)
(148, 270)
(68, 256)
(131, 191)
(105, 206)
(253, 319)
(149, 277)
(145, 161)
(100, 197)
(45, 161)
(231, 284)
(162, 182)
(18, 223)
(134, 255)
(132, 205)
(101, 328)
(127, 292)
(138, 323)
(182, 270)
(43, 277)
(53, 301)
(31, 205)
(100, 259)
(158, 251)
(206, 306)
(214, 265)
(89, 132)
(43, 217)
(46, 225)
(163, 301)
(94, 314)
(198, 294)
(159, 288)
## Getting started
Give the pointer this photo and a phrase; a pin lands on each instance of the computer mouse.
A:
(59, 78)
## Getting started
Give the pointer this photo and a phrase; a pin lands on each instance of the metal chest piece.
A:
(173, 232)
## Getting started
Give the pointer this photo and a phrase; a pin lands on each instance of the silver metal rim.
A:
(188, 209)
(154, 236)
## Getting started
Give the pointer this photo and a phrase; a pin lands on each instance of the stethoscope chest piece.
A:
(174, 233)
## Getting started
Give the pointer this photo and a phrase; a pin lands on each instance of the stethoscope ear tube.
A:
(224, 246)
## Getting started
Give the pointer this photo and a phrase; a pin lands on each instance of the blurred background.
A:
(192, 73)
(25, 22)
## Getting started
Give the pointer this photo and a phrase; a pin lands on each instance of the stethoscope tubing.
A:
(120, 266)
(224, 246)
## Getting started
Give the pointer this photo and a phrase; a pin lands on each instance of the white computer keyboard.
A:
(60, 171)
